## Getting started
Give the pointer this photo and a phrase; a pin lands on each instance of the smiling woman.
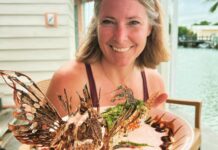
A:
(122, 34)
(155, 47)
(122, 48)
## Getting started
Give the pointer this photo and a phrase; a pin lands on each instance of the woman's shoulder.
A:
(71, 75)
(154, 80)
(71, 69)
(152, 74)
(71, 72)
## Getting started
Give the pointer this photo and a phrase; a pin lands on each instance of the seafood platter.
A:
(132, 124)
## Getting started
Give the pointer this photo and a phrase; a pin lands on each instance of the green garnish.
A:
(129, 144)
(112, 114)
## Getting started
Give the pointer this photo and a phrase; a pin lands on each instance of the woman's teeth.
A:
(120, 49)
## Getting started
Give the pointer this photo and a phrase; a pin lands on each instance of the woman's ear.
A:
(149, 30)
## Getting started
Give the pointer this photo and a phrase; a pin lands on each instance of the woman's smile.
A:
(122, 33)
(121, 49)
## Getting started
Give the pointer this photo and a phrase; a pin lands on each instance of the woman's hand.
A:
(157, 100)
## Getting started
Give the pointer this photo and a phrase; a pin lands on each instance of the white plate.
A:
(147, 134)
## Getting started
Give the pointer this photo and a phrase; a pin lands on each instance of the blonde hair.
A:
(155, 50)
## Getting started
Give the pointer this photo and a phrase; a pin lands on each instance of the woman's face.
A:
(122, 30)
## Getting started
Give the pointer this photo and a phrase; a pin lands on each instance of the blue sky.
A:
(194, 11)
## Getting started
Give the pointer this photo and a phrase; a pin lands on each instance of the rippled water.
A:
(197, 78)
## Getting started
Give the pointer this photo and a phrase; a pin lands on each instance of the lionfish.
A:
(39, 123)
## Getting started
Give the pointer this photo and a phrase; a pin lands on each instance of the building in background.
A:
(207, 33)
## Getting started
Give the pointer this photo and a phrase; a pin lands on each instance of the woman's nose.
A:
(120, 34)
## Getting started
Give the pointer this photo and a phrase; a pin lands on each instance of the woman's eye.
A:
(134, 22)
(107, 22)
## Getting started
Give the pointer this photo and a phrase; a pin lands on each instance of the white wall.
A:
(27, 45)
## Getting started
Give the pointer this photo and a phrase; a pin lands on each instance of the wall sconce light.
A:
(51, 20)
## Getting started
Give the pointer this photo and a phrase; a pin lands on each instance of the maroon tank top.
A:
(93, 90)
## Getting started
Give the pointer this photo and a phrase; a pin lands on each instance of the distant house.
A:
(208, 33)
(205, 31)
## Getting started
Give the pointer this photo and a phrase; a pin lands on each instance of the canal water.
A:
(197, 78)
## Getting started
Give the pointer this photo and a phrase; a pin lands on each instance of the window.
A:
(83, 11)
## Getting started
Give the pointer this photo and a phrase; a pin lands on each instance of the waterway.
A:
(197, 78)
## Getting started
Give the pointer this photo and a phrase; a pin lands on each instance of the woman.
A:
(124, 43)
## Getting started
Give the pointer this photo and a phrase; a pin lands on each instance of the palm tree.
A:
(214, 6)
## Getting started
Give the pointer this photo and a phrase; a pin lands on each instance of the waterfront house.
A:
(205, 30)
(207, 33)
